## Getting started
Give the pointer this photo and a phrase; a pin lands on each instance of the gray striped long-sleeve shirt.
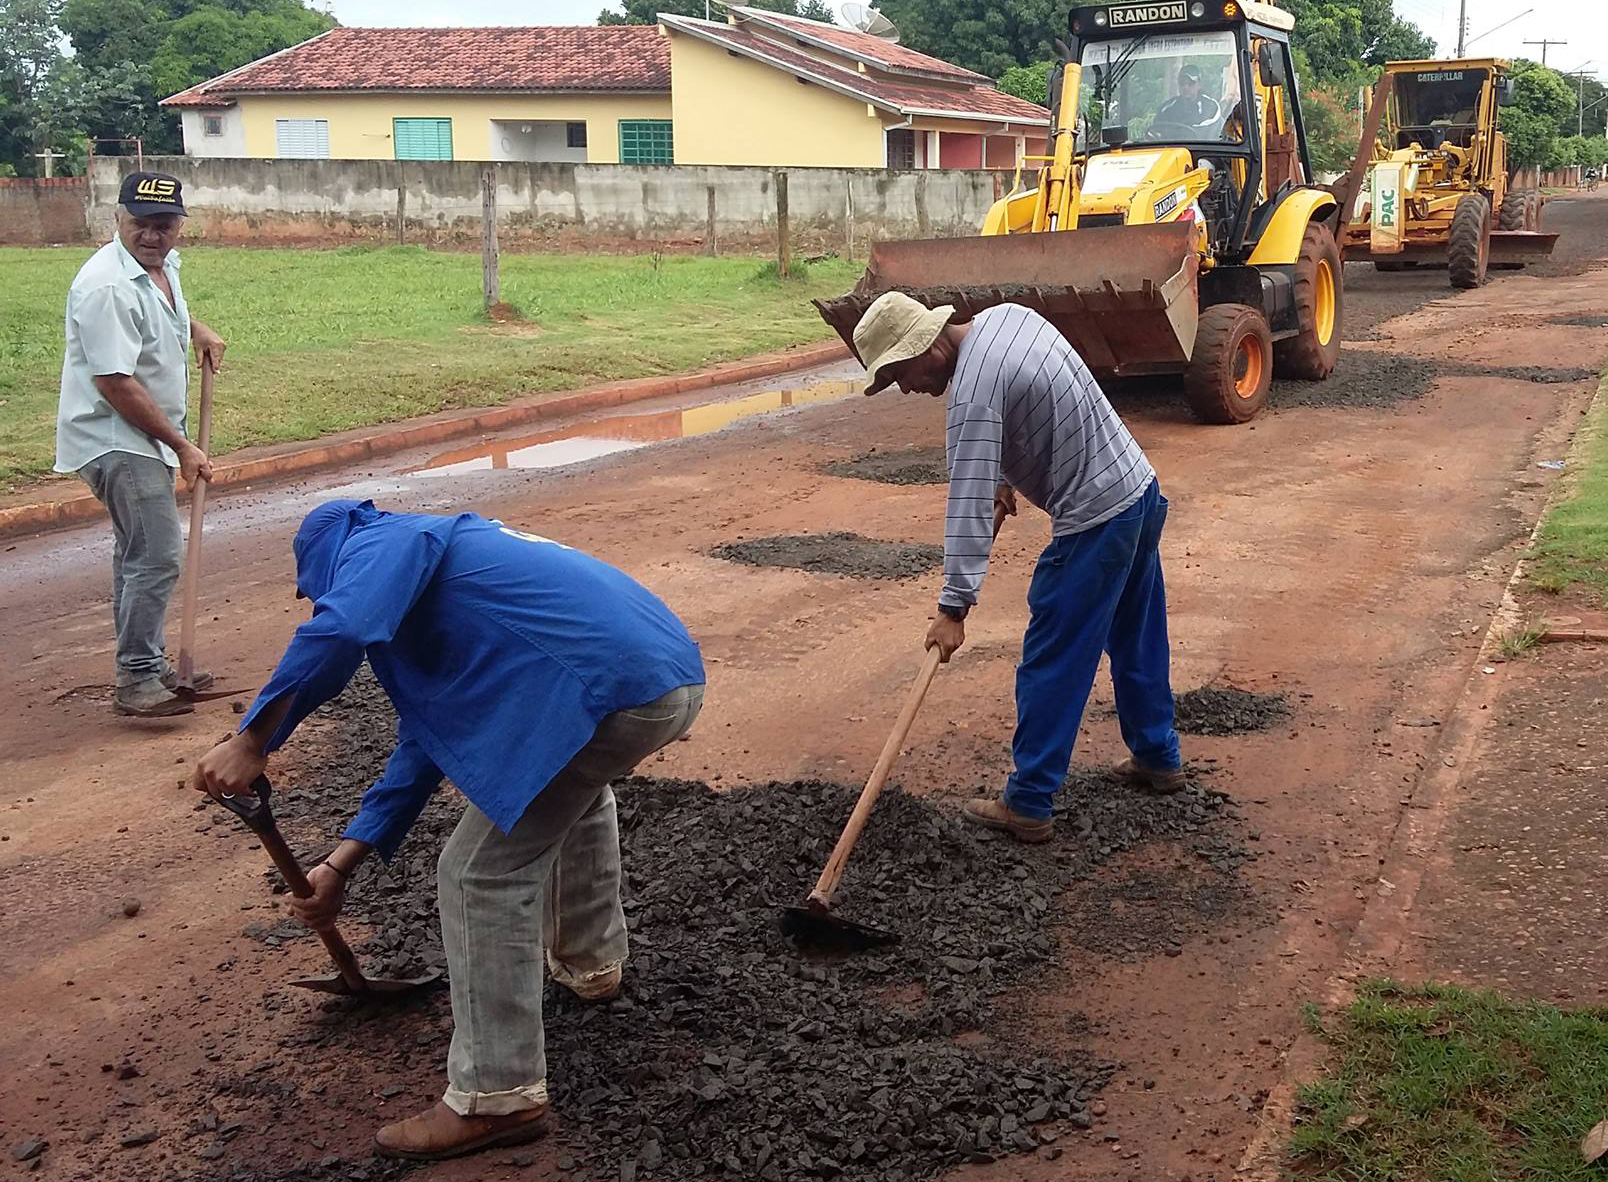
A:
(1024, 410)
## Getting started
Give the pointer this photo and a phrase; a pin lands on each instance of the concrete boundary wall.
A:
(41, 211)
(556, 206)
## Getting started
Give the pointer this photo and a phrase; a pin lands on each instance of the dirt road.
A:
(1345, 551)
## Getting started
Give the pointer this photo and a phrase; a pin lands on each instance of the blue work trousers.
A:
(1096, 590)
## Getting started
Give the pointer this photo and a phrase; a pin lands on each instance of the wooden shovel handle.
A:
(339, 951)
(827, 883)
(192, 551)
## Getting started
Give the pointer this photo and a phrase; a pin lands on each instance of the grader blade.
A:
(1124, 296)
(1510, 247)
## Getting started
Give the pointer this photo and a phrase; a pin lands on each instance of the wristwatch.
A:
(954, 613)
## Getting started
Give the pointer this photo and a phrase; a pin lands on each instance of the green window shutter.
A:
(647, 141)
(422, 139)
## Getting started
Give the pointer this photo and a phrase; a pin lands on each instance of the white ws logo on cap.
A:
(156, 188)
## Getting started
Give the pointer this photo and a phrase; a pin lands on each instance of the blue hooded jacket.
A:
(501, 650)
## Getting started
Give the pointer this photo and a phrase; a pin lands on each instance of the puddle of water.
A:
(589, 441)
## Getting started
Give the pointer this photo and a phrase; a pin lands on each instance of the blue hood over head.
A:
(319, 540)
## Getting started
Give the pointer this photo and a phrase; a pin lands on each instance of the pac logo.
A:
(1387, 209)
(154, 188)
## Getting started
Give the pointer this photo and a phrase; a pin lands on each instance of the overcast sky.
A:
(1582, 23)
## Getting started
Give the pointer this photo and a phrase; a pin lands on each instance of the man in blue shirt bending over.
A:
(529, 674)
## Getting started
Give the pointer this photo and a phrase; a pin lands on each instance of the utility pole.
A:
(50, 156)
(1462, 25)
(1580, 120)
(1543, 43)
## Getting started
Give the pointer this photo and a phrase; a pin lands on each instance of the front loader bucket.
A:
(1512, 247)
(1124, 296)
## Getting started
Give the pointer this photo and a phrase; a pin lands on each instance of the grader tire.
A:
(1468, 255)
(1315, 349)
(1231, 370)
(1515, 211)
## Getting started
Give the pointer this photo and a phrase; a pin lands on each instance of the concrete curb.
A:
(369, 442)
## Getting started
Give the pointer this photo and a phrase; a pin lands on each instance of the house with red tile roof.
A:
(758, 88)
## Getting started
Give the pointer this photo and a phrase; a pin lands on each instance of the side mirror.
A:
(1504, 90)
(1270, 65)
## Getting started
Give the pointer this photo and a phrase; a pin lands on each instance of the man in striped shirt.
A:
(1026, 415)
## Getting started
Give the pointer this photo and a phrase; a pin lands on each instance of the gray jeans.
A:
(553, 882)
(147, 546)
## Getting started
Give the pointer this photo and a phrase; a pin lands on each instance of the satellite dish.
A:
(868, 20)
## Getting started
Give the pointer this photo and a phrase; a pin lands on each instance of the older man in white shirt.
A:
(120, 423)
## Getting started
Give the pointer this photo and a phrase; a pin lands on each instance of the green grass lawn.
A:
(324, 340)
(1572, 547)
(1436, 1084)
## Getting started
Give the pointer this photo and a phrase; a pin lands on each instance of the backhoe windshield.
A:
(1434, 98)
(1179, 88)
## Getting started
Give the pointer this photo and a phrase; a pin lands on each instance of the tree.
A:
(988, 36)
(1028, 82)
(37, 85)
(1338, 35)
(1542, 101)
(646, 12)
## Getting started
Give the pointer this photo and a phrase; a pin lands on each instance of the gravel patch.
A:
(836, 554)
(915, 465)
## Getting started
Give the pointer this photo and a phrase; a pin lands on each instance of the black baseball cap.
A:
(147, 193)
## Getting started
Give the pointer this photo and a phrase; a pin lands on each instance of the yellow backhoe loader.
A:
(1437, 183)
(1173, 228)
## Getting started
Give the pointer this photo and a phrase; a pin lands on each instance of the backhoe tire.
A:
(1231, 369)
(1468, 254)
(1515, 212)
(1315, 349)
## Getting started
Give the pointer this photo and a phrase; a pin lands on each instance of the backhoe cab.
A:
(1437, 187)
(1173, 226)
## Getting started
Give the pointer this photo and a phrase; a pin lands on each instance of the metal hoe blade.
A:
(812, 926)
(335, 983)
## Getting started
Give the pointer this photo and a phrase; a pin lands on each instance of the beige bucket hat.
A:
(896, 328)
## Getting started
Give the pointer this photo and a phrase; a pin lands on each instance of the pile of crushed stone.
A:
(1226, 710)
(912, 465)
(731, 1054)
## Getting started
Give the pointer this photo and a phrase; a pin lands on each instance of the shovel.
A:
(349, 980)
(185, 686)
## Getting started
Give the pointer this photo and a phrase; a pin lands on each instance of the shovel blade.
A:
(817, 928)
(373, 986)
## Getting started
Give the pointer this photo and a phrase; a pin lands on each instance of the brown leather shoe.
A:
(441, 1133)
(992, 813)
(1162, 783)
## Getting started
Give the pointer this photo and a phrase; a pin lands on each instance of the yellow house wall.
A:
(733, 110)
(360, 124)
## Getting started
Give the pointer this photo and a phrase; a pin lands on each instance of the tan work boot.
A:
(441, 1133)
(993, 813)
(1162, 783)
(149, 699)
(594, 987)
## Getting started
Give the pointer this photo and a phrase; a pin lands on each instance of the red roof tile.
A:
(501, 59)
(875, 50)
(977, 100)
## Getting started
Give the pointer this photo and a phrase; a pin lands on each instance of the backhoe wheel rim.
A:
(1323, 302)
(1248, 366)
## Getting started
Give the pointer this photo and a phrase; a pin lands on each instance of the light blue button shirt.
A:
(118, 321)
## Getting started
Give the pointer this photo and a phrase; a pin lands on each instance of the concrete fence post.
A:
(491, 281)
(711, 246)
(848, 217)
(401, 203)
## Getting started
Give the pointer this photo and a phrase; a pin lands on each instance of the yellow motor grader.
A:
(1437, 187)
(1173, 227)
